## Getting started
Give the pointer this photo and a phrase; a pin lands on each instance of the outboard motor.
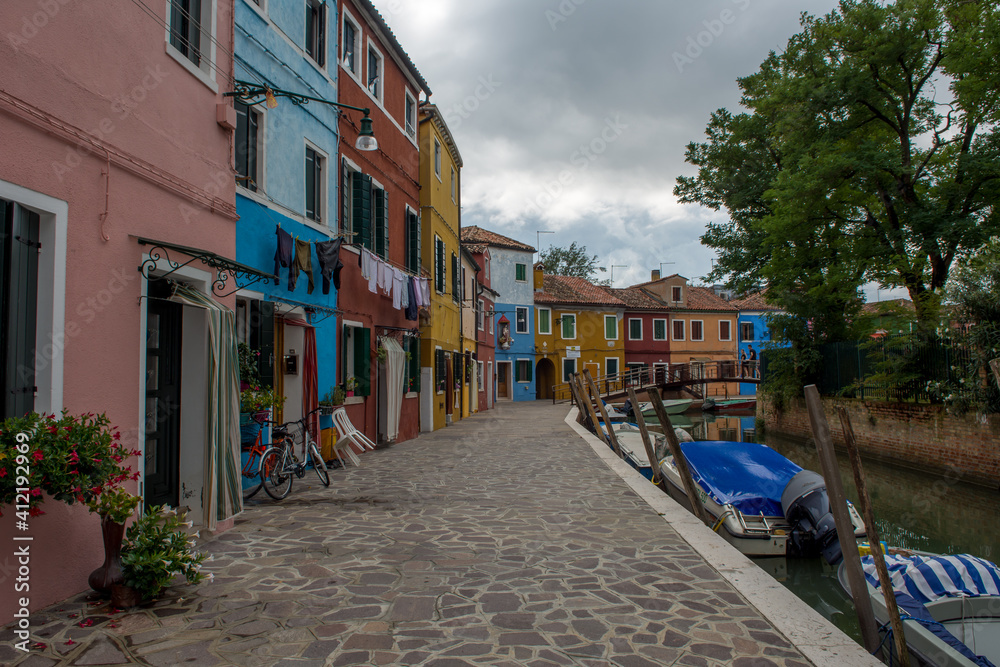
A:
(807, 508)
(627, 410)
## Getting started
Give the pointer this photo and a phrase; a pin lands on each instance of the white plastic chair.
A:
(348, 434)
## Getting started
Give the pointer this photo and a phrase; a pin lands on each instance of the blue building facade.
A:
(512, 278)
(286, 158)
(754, 333)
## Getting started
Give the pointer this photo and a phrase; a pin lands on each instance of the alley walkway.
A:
(502, 540)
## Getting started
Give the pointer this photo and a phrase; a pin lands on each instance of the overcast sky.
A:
(572, 116)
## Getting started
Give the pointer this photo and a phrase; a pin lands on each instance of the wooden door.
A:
(163, 394)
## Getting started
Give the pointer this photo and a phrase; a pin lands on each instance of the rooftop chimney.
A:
(656, 275)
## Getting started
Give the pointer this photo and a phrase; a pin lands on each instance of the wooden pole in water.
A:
(845, 530)
(873, 538)
(604, 413)
(575, 397)
(657, 479)
(587, 405)
(995, 366)
(690, 488)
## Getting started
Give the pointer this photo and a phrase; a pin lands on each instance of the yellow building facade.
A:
(470, 390)
(578, 326)
(440, 252)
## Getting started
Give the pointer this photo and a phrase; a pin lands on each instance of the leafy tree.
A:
(572, 261)
(870, 153)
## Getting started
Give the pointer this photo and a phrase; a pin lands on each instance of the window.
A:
(410, 115)
(489, 319)
(521, 325)
(697, 330)
(19, 256)
(440, 370)
(454, 186)
(248, 173)
(316, 31)
(315, 184)
(365, 210)
(479, 315)
(569, 327)
(350, 56)
(456, 283)
(357, 361)
(746, 331)
(486, 260)
(437, 158)
(374, 73)
(676, 294)
(610, 327)
(521, 273)
(544, 321)
(522, 370)
(635, 329)
(678, 329)
(411, 346)
(611, 367)
(185, 28)
(440, 277)
(479, 377)
(659, 329)
(412, 241)
(725, 330)
(380, 221)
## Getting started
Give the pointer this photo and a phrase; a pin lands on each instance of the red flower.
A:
(74, 457)
(36, 492)
(35, 511)
(98, 460)
(37, 454)
(70, 642)
(3, 472)
(86, 623)
(53, 429)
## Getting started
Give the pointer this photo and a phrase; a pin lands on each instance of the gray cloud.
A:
(589, 107)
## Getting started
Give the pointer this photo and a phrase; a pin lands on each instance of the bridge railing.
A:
(646, 377)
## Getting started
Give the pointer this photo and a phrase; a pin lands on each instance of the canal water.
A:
(915, 510)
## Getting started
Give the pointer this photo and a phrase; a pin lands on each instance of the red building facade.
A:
(485, 325)
(379, 206)
(645, 328)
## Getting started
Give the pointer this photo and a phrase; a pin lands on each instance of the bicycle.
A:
(279, 465)
(250, 473)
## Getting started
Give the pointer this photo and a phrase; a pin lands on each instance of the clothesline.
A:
(408, 292)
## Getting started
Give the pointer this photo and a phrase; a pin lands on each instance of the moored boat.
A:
(673, 406)
(950, 606)
(759, 501)
(726, 404)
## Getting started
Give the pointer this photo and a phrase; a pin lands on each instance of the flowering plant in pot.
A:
(115, 505)
(156, 550)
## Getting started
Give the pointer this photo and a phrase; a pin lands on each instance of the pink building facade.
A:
(115, 129)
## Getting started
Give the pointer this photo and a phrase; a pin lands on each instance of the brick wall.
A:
(922, 437)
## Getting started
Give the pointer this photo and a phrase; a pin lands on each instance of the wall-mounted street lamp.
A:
(252, 94)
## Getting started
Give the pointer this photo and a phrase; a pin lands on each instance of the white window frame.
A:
(481, 316)
(607, 366)
(437, 159)
(347, 17)
(323, 222)
(326, 37)
(673, 330)
(641, 332)
(680, 291)
(742, 325)
(539, 318)
(51, 332)
(730, 336)
(562, 366)
(486, 261)
(527, 320)
(516, 279)
(204, 72)
(379, 96)
(444, 251)
(261, 150)
(490, 320)
(562, 317)
(606, 318)
(531, 370)
(410, 124)
(454, 186)
(702, 323)
(666, 329)
(479, 376)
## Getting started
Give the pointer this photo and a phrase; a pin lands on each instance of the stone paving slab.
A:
(501, 540)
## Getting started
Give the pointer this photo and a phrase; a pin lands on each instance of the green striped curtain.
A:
(223, 486)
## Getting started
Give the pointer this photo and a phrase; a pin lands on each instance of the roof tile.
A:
(570, 290)
(475, 234)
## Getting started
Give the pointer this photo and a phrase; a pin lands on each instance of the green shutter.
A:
(380, 204)
(412, 243)
(517, 371)
(345, 200)
(520, 272)
(610, 327)
(362, 197)
(414, 364)
(528, 366)
(363, 361)
(567, 326)
(19, 279)
(455, 277)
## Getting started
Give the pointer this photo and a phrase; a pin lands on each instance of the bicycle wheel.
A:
(276, 480)
(250, 475)
(318, 465)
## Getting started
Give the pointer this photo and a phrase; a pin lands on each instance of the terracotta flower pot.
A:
(123, 596)
(104, 577)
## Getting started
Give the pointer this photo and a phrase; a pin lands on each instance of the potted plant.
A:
(114, 506)
(253, 401)
(249, 375)
(381, 353)
(331, 399)
(351, 383)
(157, 548)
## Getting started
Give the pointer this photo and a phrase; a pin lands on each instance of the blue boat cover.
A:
(930, 578)
(918, 612)
(746, 475)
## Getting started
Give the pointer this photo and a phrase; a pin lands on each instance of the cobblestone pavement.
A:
(501, 540)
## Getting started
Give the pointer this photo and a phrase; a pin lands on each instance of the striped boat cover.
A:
(930, 578)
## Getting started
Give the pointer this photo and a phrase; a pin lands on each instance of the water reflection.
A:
(913, 509)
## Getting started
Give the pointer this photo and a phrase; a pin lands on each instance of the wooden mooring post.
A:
(604, 413)
(646, 443)
(690, 488)
(583, 400)
(845, 530)
(868, 513)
